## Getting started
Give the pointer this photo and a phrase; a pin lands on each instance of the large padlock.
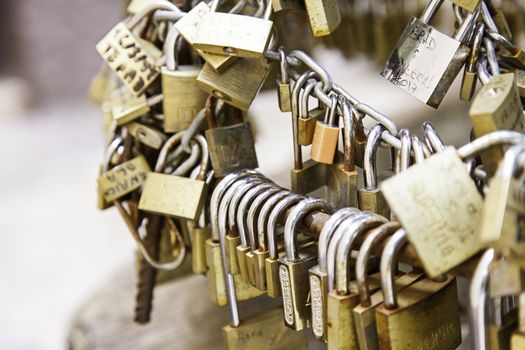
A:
(182, 98)
(404, 319)
(425, 61)
(293, 269)
(497, 106)
(233, 34)
(133, 60)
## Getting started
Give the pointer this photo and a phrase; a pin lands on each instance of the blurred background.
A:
(59, 252)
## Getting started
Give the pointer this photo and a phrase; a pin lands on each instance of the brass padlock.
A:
(134, 61)
(293, 269)
(283, 83)
(233, 34)
(324, 16)
(470, 76)
(341, 329)
(318, 275)
(439, 185)
(370, 196)
(126, 107)
(187, 27)
(326, 135)
(405, 320)
(497, 106)
(469, 5)
(271, 264)
(182, 98)
(416, 52)
(147, 135)
(239, 84)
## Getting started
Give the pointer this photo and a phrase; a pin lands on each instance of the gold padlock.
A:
(326, 135)
(470, 76)
(283, 83)
(324, 16)
(147, 135)
(182, 98)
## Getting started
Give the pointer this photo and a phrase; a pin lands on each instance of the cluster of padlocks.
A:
(360, 258)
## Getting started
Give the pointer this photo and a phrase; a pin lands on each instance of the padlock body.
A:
(318, 290)
(425, 62)
(306, 126)
(468, 85)
(187, 204)
(198, 248)
(342, 186)
(427, 317)
(128, 57)
(273, 282)
(124, 178)
(232, 265)
(231, 148)
(308, 179)
(239, 84)
(182, 98)
(149, 136)
(260, 268)
(324, 143)
(374, 201)
(517, 340)
(126, 107)
(324, 16)
(284, 95)
(263, 331)
(341, 328)
(242, 260)
(232, 34)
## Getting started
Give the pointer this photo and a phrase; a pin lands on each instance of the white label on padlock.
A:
(420, 59)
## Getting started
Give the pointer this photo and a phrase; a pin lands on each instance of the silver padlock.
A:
(425, 61)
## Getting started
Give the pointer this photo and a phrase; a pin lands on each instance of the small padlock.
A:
(424, 314)
(318, 275)
(126, 107)
(182, 98)
(326, 135)
(147, 135)
(370, 196)
(497, 106)
(134, 61)
(470, 76)
(324, 16)
(271, 264)
(283, 83)
(425, 61)
(187, 27)
(293, 269)
(234, 34)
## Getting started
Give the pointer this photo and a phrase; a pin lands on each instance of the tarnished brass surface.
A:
(124, 178)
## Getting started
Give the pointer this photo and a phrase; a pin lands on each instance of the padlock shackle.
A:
(369, 161)
(430, 11)
(347, 244)
(404, 151)
(253, 211)
(111, 149)
(242, 210)
(328, 231)
(432, 139)
(293, 220)
(478, 295)
(511, 161)
(388, 267)
(169, 49)
(331, 111)
(487, 141)
(323, 74)
(492, 59)
(373, 237)
(273, 219)
(304, 96)
(474, 54)
(149, 8)
(229, 201)
(217, 195)
(239, 192)
(264, 215)
(417, 149)
(168, 146)
(283, 66)
(349, 115)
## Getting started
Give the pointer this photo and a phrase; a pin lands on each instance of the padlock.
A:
(441, 186)
(364, 313)
(470, 77)
(245, 262)
(469, 5)
(187, 27)
(190, 192)
(507, 51)
(497, 106)
(231, 148)
(271, 264)
(293, 269)
(341, 301)
(504, 208)
(134, 61)
(283, 83)
(256, 272)
(324, 16)
(425, 61)
(307, 119)
(147, 135)
(370, 196)
(506, 278)
(503, 320)
(498, 17)
(263, 253)
(126, 107)
(424, 314)
(342, 177)
(318, 276)
(182, 98)
(326, 135)
(234, 34)
(239, 84)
